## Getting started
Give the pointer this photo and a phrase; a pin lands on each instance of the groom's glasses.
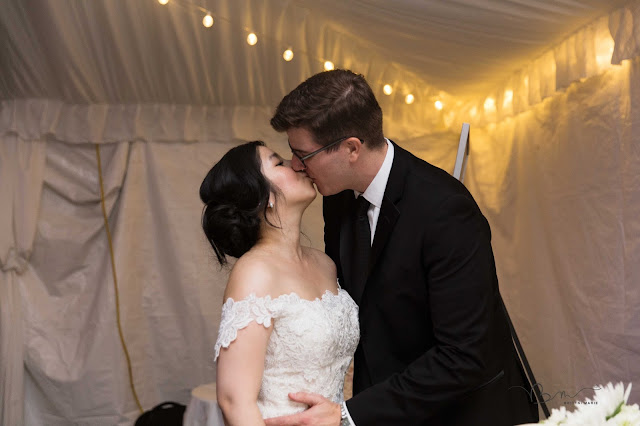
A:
(318, 151)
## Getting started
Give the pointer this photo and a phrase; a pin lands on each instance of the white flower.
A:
(608, 407)
(558, 416)
(610, 397)
(629, 415)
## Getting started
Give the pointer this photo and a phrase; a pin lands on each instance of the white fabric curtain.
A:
(58, 307)
(22, 165)
(561, 189)
(61, 291)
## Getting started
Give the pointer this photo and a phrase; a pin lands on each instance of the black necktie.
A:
(361, 246)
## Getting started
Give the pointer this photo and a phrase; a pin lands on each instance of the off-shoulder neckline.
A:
(326, 294)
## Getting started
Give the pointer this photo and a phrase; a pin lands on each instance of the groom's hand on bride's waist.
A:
(321, 412)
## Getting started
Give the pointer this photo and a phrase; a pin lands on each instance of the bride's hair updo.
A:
(236, 195)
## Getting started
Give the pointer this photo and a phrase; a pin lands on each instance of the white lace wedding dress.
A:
(310, 349)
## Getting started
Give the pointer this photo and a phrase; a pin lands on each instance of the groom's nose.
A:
(296, 164)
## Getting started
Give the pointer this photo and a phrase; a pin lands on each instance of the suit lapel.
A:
(389, 211)
(386, 220)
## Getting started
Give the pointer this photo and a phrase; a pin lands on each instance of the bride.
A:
(286, 324)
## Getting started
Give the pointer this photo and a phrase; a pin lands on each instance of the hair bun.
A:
(230, 230)
(235, 193)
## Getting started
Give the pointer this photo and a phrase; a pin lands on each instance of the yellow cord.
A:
(115, 281)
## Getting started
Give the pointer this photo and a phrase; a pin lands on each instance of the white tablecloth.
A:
(203, 408)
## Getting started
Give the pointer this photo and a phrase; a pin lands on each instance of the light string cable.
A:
(115, 281)
(288, 54)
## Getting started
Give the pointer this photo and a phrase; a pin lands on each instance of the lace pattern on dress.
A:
(238, 315)
(311, 345)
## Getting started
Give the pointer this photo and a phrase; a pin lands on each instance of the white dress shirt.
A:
(375, 191)
(374, 195)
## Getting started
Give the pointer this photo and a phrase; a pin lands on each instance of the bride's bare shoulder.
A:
(252, 273)
(322, 259)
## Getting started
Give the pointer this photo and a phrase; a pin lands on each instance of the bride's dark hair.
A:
(236, 196)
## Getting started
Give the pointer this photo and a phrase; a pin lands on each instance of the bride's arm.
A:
(241, 363)
(239, 375)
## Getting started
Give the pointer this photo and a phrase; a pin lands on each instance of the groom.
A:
(414, 251)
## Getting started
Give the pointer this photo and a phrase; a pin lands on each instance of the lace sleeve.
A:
(238, 315)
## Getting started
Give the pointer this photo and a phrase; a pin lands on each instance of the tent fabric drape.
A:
(561, 189)
(22, 165)
(112, 123)
(625, 29)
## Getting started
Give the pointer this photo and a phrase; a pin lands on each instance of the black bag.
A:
(166, 414)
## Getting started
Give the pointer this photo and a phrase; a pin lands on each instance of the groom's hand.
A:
(321, 412)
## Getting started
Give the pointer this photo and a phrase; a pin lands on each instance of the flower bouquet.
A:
(608, 407)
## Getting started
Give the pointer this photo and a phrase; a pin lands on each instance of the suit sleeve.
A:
(459, 273)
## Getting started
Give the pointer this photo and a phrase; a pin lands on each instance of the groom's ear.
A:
(354, 147)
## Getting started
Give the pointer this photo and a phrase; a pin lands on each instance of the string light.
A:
(438, 104)
(508, 98)
(287, 55)
(207, 21)
(490, 104)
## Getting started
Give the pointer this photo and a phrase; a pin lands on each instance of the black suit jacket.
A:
(435, 346)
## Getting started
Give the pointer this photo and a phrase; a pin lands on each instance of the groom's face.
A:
(326, 168)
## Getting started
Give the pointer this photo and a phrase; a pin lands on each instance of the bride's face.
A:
(296, 187)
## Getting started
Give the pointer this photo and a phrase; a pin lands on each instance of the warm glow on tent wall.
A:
(163, 1)
(387, 89)
(490, 104)
(604, 50)
(409, 99)
(207, 21)
(328, 66)
(508, 98)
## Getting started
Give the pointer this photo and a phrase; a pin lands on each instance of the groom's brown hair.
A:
(331, 105)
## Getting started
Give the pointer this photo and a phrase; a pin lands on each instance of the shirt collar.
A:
(375, 191)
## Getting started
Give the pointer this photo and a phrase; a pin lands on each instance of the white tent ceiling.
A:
(122, 51)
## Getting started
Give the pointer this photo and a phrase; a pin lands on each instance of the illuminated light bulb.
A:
(438, 105)
(207, 21)
(387, 89)
(328, 66)
(163, 1)
(508, 97)
(252, 39)
(604, 50)
(409, 99)
(287, 55)
(490, 104)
